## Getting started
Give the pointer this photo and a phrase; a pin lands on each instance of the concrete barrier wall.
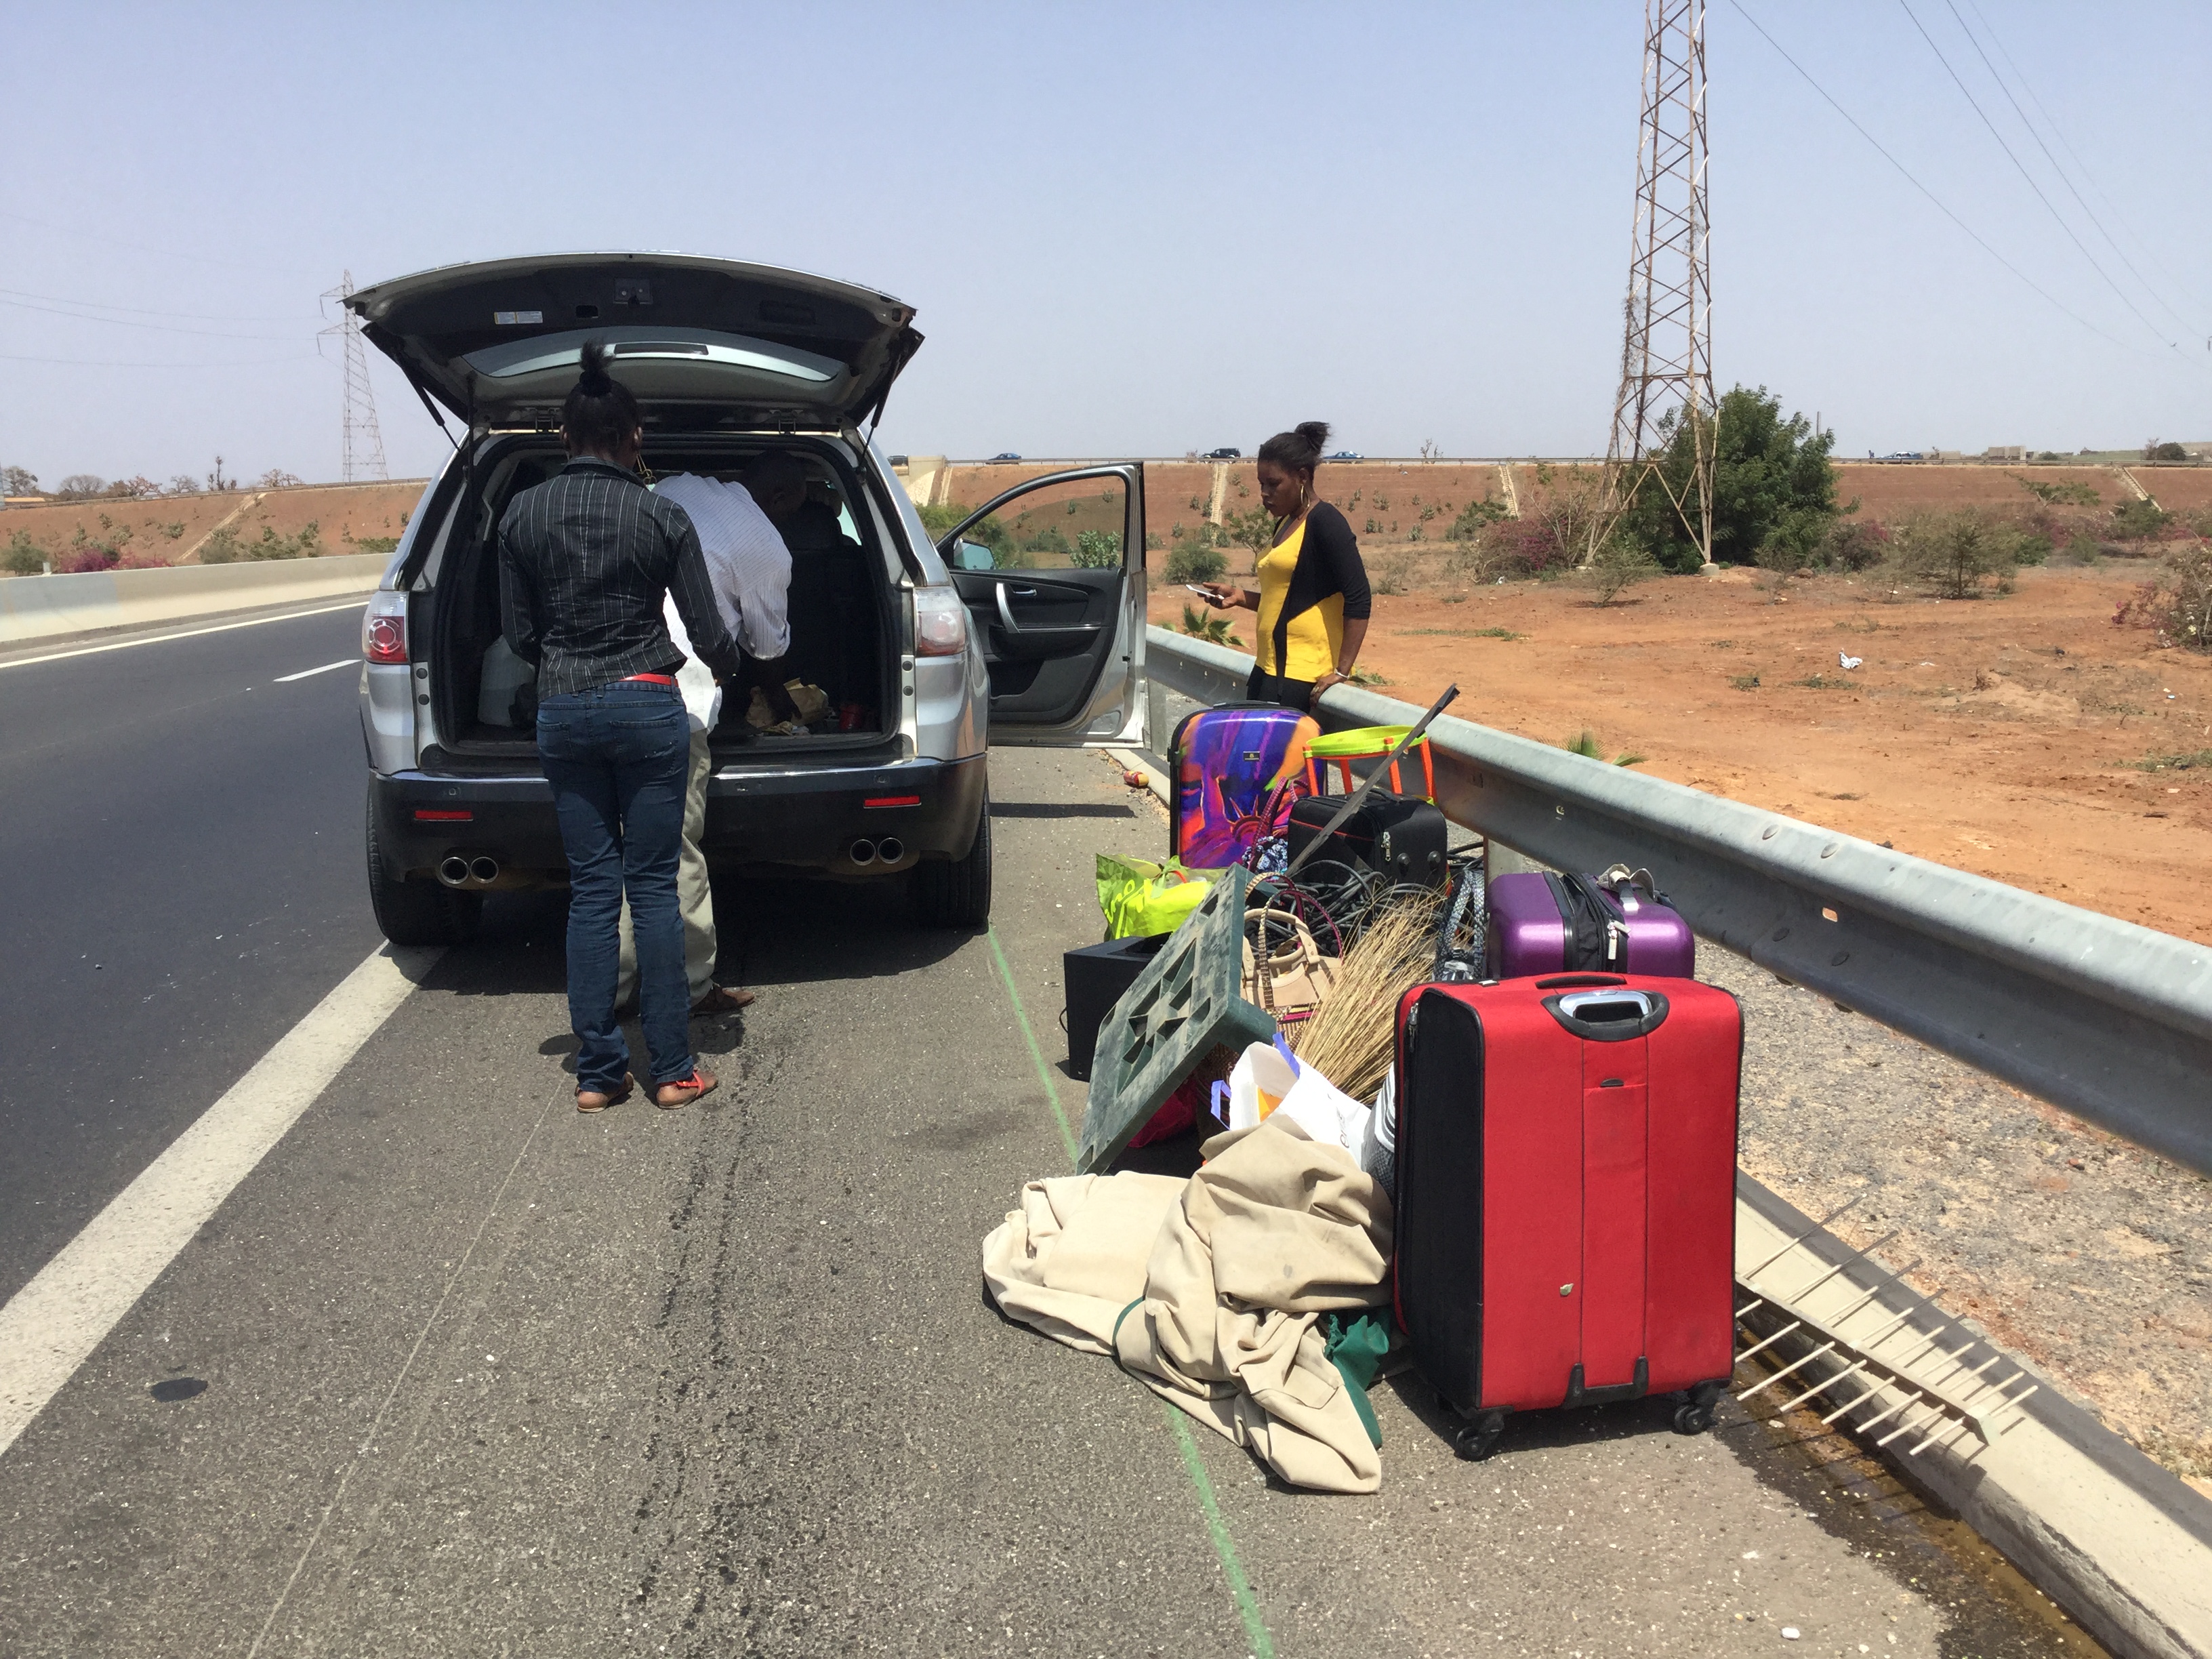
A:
(34, 607)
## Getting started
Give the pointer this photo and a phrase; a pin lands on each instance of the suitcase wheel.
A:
(1476, 1440)
(1693, 1418)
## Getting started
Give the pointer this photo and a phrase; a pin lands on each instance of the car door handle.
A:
(1006, 611)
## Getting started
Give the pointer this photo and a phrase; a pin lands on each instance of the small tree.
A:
(277, 478)
(1956, 553)
(1765, 469)
(184, 485)
(2156, 450)
(1618, 565)
(19, 481)
(1254, 530)
(2179, 604)
(80, 486)
(23, 556)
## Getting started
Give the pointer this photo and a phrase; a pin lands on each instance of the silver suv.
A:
(1023, 625)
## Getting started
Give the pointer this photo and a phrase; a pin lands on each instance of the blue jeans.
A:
(616, 756)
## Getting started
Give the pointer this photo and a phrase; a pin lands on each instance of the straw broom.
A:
(1350, 1040)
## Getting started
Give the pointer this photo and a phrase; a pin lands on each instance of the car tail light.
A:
(384, 630)
(940, 623)
(444, 815)
(873, 801)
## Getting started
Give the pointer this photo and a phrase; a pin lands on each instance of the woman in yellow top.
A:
(1313, 600)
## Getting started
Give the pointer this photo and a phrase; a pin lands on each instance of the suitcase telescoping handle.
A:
(1357, 797)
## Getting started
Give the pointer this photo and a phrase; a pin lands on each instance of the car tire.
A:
(418, 912)
(956, 892)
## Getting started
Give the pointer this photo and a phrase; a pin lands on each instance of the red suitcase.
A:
(1567, 1193)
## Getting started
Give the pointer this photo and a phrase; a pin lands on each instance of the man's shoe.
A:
(723, 1000)
(597, 1100)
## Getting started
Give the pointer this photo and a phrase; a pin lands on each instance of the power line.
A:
(220, 362)
(2050, 207)
(126, 322)
(138, 311)
(1979, 240)
(2057, 132)
(2060, 170)
(142, 247)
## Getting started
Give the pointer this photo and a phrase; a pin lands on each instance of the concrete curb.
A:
(36, 607)
(2120, 1542)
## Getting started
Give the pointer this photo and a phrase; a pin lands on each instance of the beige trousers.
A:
(695, 899)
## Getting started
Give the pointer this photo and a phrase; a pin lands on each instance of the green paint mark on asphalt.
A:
(1044, 1072)
(1232, 1568)
(1247, 1605)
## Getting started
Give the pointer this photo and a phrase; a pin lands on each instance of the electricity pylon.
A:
(360, 444)
(1665, 352)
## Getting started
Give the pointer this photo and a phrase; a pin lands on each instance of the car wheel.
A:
(418, 912)
(956, 892)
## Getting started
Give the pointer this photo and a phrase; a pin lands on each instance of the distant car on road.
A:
(1005, 455)
(1345, 455)
(1225, 453)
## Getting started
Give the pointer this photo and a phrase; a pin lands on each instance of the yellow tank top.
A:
(1314, 636)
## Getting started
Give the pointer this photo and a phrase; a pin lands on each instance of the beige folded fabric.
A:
(1230, 1270)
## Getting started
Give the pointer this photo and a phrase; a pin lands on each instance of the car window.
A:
(1075, 526)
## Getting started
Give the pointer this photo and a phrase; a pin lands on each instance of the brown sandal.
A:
(682, 1092)
(597, 1100)
(723, 1000)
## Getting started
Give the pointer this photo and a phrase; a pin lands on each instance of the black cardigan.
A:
(1329, 562)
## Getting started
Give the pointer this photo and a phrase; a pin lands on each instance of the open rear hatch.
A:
(702, 343)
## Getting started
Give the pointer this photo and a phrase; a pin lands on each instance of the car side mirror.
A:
(973, 556)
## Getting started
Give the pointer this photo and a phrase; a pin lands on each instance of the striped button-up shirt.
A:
(586, 559)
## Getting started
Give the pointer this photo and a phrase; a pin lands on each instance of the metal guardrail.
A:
(2110, 1021)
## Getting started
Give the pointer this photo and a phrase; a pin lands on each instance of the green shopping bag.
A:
(1139, 897)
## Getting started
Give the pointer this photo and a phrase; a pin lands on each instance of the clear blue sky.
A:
(1128, 229)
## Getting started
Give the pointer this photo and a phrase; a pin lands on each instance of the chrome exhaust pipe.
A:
(890, 849)
(864, 851)
(453, 870)
(483, 871)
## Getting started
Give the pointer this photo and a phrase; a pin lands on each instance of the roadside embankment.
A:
(39, 607)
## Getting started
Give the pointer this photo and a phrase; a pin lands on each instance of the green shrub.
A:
(1765, 469)
(1473, 518)
(375, 543)
(23, 556)
(2060, 494)
(2135, 521)
(1213, 629)
(1047, 540)
(1097, 549)
(2179, 603)
(1190, 562)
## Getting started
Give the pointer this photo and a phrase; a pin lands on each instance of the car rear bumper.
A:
(806, 819)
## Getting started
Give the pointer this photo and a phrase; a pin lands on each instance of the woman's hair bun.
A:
(1298, 449)
(594, 380)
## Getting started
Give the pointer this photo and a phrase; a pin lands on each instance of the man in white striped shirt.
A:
(749, 569)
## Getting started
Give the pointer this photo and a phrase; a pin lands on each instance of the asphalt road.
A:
(483, 1375)
(181, 880)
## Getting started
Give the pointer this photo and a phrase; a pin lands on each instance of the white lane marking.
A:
(52, 1325)
(343, 662)
(189, 634)
(429, 1324)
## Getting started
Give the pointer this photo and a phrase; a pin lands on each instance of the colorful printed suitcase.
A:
(1540, 923)
(1566, 1193)
(1228, 762)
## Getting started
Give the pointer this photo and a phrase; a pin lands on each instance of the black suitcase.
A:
(1402, 837)
(1095, 978)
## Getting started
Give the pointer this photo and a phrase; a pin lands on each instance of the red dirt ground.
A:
(1992, 735)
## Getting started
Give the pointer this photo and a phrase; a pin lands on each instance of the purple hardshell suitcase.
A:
(1618, 923)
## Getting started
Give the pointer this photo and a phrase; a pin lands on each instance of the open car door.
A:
(1053, 573)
